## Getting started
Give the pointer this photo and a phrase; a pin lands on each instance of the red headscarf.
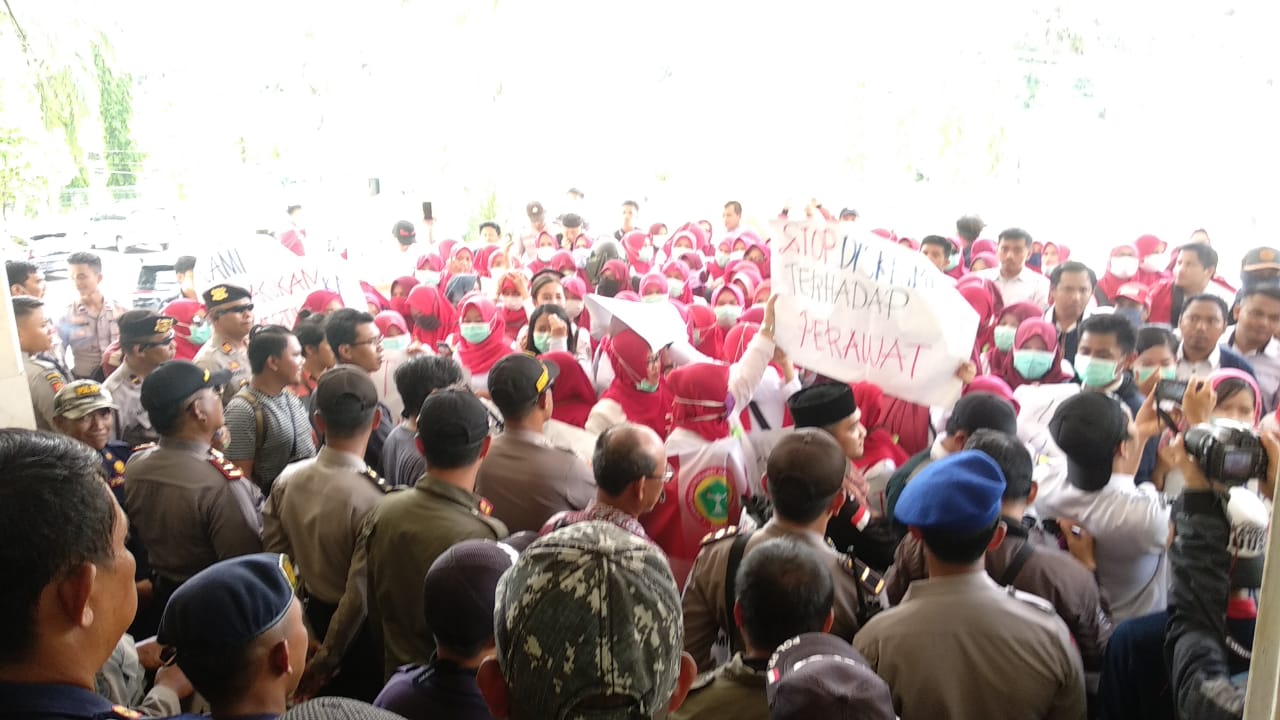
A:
(573, 396)
(985, 298)
(1037, 327)
(999, 362)
(1149, 245)
(480, 263)
(1110, 284)
(563, 262)
(479, 357)
(677, 269)
(987, 257)
(430, 302)
(512, 320)
(982, 245)
(389, 318)
(405, 283)
(879, 445)
(632, 242)
(183, 312)
(753, 314)
(619, 270)
(318, 301)
(733, 290)
(374, 298)
(653, 284)
(684, 236)
(762, 266)
(699, 393)
(629, 356)
(704, 334)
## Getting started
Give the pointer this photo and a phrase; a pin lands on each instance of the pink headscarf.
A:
(390, 318)
(677, 269)
(982, 245)
(986, 257)
(574, 395)
(704, 334)
(653, 284)
(632, 243)
(1038, 328)
(1217, 376)
(319, 301)
(699, 393)
(405, 283)
(430, 302)
(992, 385)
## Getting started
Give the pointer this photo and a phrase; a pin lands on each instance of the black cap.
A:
(817, 675)
(571, 221)
(344, 389)
(458, 594)
(1262, 258)
(453, 416)
(822, 405)
(982, 411)
(1087, 427)
(223, 294)
(225, 606)
(516, 381)
(404, 233)
(137, 325)
(174, 381)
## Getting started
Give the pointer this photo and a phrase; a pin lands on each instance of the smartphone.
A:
(426, 211)
(1171, 390)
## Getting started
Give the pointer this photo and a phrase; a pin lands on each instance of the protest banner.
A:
(278, 279)
(855, 307)
(658, 323)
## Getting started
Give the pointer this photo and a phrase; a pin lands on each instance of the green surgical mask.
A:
(1032, 364)
(475, 333)
(200, 333)
(647, 387)
(1094, 373)
(1144, 372)
(1004, 337)
(399, 342)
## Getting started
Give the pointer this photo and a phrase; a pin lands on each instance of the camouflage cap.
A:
(79, 398)
(588, 624)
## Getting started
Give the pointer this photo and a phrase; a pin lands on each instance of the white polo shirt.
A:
(1026, 286)
(1266, 368)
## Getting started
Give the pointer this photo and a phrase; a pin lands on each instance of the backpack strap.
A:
(260, 424)
(1015, 566)
(736, 551)
(759, 416)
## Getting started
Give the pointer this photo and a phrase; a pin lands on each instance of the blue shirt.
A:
(32, 700)
(441, 689)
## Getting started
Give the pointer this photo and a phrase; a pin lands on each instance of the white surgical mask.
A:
(430, 278)
(1156, 263)
(736, 255)
(574, 308)
(512, 302)
(1124, 266)
(546, 253)
(675, 286)
(399, 342)
(646, 254)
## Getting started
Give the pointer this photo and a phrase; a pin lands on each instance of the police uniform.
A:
(735, 690)
(528, 480)
(89, 335)
(705, 614)
(220, 353)
(36, 700)
(1016, 653)
(132, 425)
(44, 382)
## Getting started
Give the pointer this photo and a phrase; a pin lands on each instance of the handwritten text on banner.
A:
(855, 306)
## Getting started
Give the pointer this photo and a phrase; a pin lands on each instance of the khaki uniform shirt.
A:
(403, 536)
(220, 354)
(133, 425)
(90, 335)
(528, 480)
(44, 381)
(314, 515)
(704, 602)
(1048, 572)
(962, 647)
(190, 507)
(733, 691)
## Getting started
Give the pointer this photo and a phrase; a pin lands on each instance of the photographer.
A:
(1196, 649)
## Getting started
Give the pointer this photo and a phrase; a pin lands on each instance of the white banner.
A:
(658, 323)
(278, 279)
(855, 307)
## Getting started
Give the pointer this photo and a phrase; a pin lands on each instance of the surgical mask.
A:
(574, 308)
(427, 322)
(654, 298)
(1095, 373)
(1032, 364)
(1156, 263)
(1004, 337)
(736, 255)
(727, 315)
(645, 255)
(543, 343)
(430, 278)
(1144, 372)
(1124, 266)
(475, 332)
(1133, 315)
(722, 259)
(512, 302)
(954, 262)
(399, 342)
(200, 333)
(675, 287)
(647, 386)
(546, 253)
(580, 258)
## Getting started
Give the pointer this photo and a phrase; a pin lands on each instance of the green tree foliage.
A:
(116, 107)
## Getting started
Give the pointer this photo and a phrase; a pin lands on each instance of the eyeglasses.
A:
(163, 343)
(234, 310)
(375, 340)
(665, 477)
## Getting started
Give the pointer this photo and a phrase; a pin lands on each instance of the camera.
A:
(1227, 451)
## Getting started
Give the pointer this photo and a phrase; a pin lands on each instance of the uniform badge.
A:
(163, 325)
(226, 348)
(135, 380)
(486, 507)
(118, 466)
(124, 712)
(1267, 255)
(55, 381)
(234, 366)
(218, 294)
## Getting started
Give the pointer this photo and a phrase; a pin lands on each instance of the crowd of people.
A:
(470, 499)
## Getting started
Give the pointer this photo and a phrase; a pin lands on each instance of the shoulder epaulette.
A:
(144, 446)
(870, 580)
(228, 470)
(725, 532)
(377, 480)
(1034, 601)
(704, 680)
(124, 713)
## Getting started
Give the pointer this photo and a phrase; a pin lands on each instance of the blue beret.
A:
(958, 494)
(225, 606)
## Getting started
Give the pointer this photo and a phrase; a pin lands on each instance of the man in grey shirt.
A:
(402, 462)
(268, 424)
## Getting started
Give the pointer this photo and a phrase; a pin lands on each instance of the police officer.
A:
(230, 312)
(190, 506)
(315, 512)
(43, 379)
(69, 593)
(236, 629)
(1017, 654)
(409, 530)
(805, 476)
(146, 341)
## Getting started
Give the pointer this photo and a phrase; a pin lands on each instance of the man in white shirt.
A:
(1130, 523)
(1257, 322)
(1201, 326)
(1016, 281)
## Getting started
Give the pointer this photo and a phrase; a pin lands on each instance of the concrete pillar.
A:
(15, 394)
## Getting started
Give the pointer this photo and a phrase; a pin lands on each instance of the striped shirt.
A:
(285, 427)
